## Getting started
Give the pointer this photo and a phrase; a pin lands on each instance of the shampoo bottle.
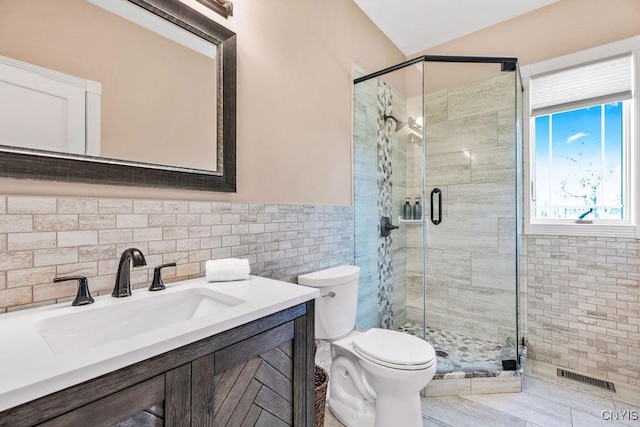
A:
(417, 210)
(407, 212)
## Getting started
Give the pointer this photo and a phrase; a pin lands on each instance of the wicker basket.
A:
(321, 381)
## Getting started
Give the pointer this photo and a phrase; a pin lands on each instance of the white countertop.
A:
(29, 369)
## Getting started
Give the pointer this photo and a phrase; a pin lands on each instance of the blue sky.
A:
(577, 154)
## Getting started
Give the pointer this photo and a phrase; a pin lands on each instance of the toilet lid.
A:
(395, 349)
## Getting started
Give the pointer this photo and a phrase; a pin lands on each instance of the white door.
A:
(41, 113)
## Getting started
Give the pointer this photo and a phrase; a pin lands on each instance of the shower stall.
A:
(442, 131)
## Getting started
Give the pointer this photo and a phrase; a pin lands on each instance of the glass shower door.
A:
(442, 134)
(385, 136)
(470, 232)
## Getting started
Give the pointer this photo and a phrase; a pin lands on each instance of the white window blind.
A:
(599, 82)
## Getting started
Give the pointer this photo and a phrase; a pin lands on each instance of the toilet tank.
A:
(335, 312)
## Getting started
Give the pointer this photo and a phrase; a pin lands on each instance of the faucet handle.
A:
(158, 284)
(83, 297)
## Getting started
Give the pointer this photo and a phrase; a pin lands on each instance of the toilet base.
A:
(348, 416)
(393, 410)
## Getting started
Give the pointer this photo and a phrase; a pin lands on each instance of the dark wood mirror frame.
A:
(48, 166)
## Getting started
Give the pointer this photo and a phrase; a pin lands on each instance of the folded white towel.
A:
(227, 269)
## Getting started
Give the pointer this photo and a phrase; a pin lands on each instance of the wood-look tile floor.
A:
(544, 401)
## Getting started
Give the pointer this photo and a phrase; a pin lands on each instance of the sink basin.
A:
(47, 349)
(94, 327)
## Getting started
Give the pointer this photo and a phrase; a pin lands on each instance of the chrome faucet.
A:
(123, 278)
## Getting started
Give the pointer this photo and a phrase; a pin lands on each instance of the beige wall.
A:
(558, 29)
(561, 28)
(294, 104)
(294, 88)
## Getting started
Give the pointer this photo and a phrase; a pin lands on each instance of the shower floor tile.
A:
(460, 356)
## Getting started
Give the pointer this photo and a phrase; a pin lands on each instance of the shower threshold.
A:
(460, 356)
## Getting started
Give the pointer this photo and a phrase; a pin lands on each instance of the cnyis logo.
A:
(620, 415)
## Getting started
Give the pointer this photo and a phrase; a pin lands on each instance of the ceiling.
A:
(416, 25)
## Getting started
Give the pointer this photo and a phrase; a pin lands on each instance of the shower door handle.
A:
(436, 192)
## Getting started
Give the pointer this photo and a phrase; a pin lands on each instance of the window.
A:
(581, 159)
(579, 165)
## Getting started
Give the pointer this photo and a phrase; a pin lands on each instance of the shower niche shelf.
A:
(409, 221)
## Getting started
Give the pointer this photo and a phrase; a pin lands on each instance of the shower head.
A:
(413, 123)
(399, 124)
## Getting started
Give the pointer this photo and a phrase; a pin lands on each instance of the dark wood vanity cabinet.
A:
(260, 373)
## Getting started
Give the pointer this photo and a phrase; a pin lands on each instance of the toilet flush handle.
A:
(330, 294)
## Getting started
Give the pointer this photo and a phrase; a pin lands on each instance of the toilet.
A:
(376, 376)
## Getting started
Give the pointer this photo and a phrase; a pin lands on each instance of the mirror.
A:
(156, 104)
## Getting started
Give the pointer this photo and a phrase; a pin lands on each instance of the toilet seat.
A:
(394, 349)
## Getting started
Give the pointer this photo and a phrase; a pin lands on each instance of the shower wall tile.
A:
(367, 313)
(363, 191)
(474, 234)
(436, 296)
(507, 127)
(496, 165)
(365, 237)
(435, 107)
(483, 303)
(414, 253)
(486, 200)
(462, 324)
(415, 311)
(507, 235)
(313, 237)
(414, 291)
(463, 133)
(449, 168)
(444, 267)
(493, 270)
(489, 94)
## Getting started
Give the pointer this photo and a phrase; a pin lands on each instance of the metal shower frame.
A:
(507, 64)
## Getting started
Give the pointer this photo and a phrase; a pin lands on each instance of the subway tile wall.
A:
(45, 237)
(583, 304)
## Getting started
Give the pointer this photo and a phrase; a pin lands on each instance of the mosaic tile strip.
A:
(384, 132)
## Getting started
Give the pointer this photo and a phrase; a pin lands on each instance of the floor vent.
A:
(587, 380)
